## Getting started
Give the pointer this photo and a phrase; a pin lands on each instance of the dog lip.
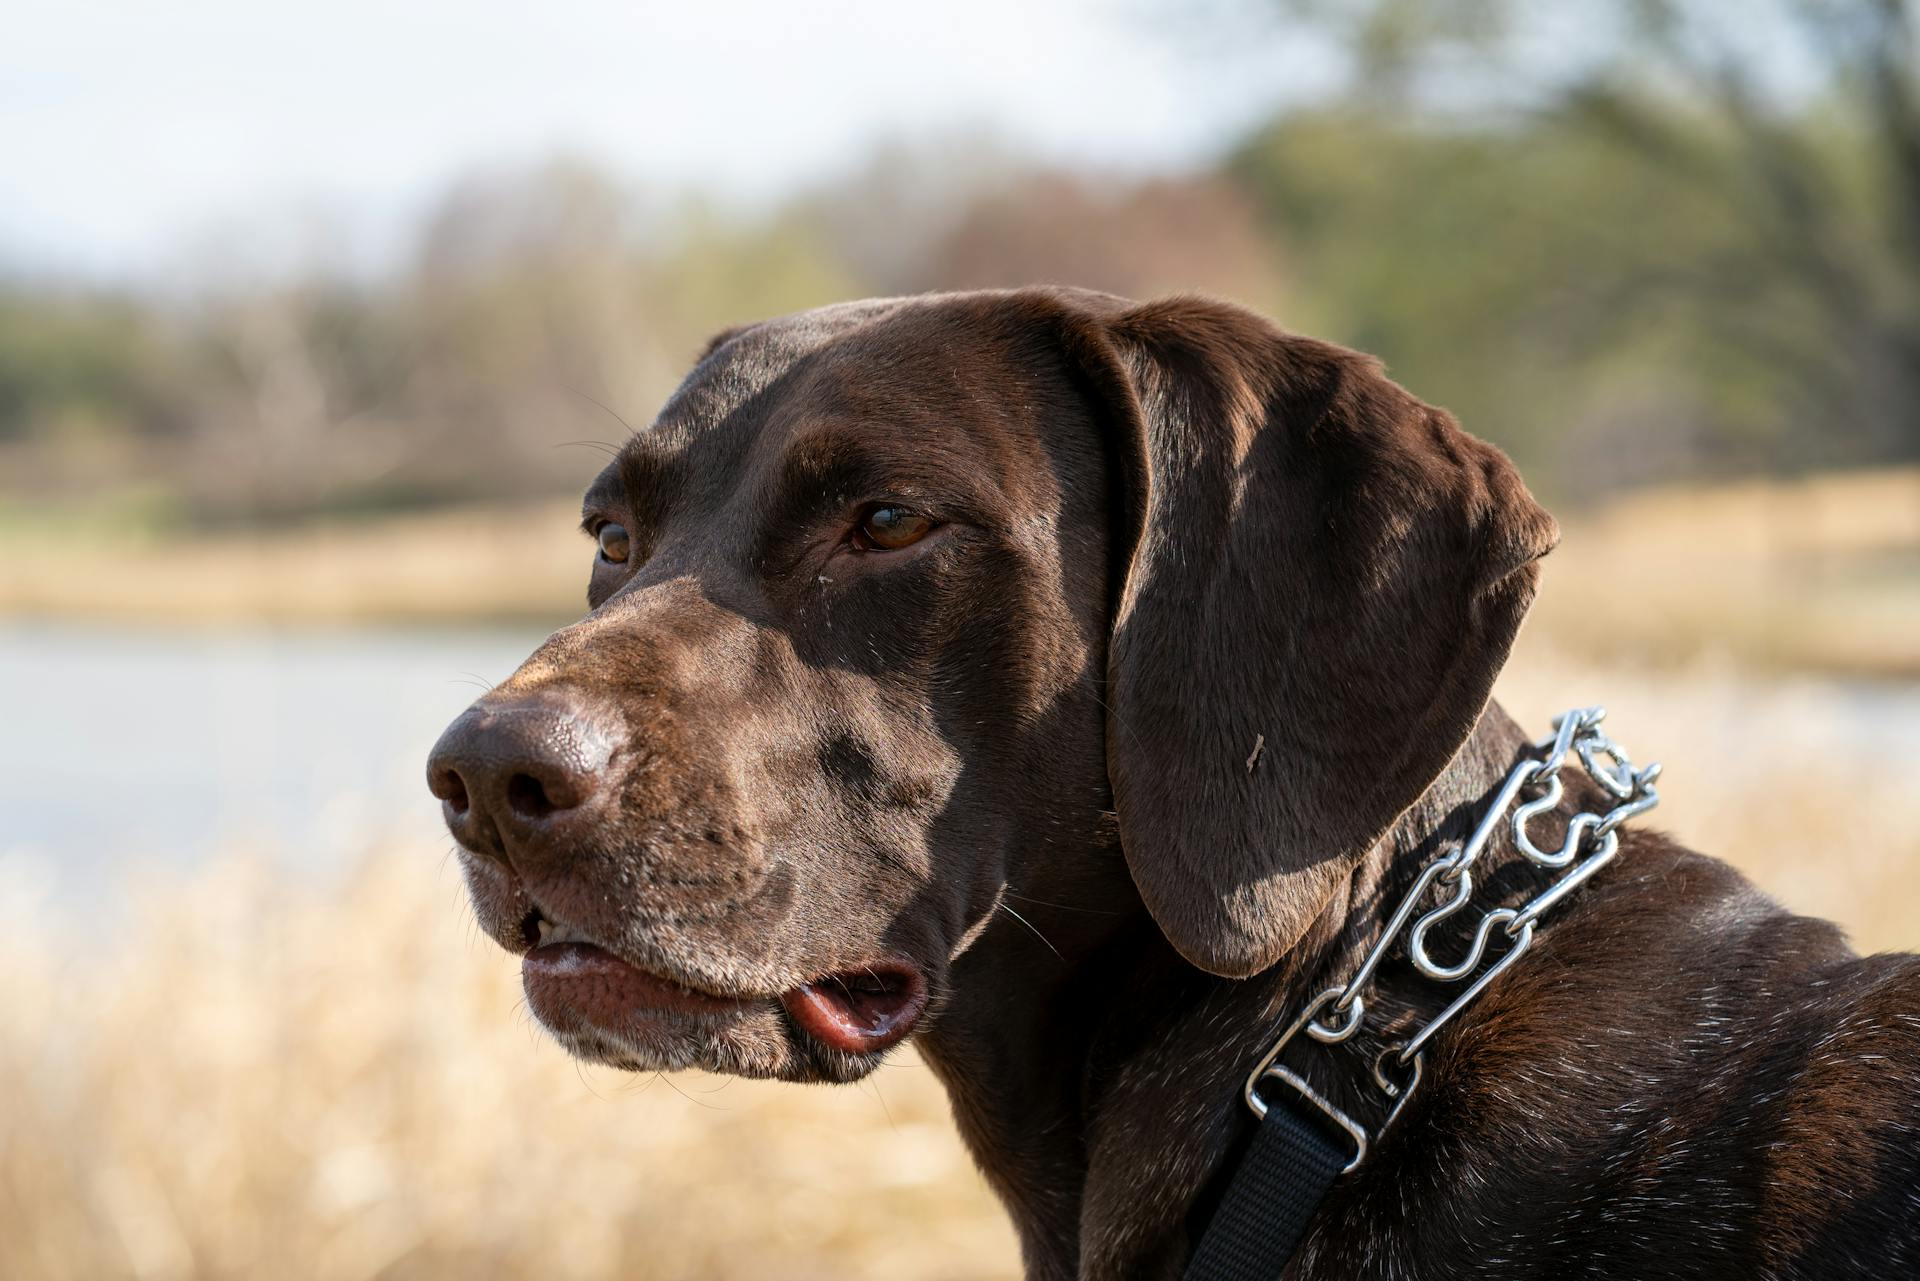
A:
(584, 979)
(860, 1011)
(565, 965)
(552, 948)
(545, 933)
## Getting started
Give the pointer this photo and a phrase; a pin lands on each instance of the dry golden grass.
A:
(1822, 573)
(508, 562)
(263, 1080)
(262, 1077)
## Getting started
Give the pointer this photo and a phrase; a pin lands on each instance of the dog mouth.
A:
(861, 1012)
(571, 980)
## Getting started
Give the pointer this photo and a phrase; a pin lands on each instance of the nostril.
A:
(528, 798)
(508, 772)
(451, 788)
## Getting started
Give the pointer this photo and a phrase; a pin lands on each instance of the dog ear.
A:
(1321, 578)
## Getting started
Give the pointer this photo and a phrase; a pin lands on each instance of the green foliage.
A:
(80, 362)
(1687, 241)
(1540, 282)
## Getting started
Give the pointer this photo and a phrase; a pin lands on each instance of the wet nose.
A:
(518, 778)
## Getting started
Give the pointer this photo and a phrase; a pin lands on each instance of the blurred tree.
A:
(71, 360)
(1691, 228)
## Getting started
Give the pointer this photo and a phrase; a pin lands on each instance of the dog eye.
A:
(614, 543)
(889, 529)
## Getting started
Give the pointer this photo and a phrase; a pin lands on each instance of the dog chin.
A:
(781, 1059)
(659, 1049)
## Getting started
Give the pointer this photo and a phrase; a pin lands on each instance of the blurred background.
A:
(314, 322)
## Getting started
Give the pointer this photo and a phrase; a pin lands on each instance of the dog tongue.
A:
(857, 1020)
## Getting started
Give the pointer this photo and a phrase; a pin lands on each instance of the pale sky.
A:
(132, 131)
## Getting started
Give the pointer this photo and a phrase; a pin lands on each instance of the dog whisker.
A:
(874, 1085)
(611, 412)
(711, 1107)
(1064, 907)
(1008, 909)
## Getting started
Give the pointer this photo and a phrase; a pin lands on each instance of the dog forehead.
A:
(750, 373)
(928, 367)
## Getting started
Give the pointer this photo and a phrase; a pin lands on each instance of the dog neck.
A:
(1077, 1033)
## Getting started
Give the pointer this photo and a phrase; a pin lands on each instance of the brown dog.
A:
(929, 646)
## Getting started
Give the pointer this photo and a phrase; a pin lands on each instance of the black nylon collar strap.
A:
(1281, 1181)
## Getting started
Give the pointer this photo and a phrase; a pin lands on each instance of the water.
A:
(158, 747)
(155, 748)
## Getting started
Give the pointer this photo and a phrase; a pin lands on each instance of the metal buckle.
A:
(1286, 1076)
(1270, 1067)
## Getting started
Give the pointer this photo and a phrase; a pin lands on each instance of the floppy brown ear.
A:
(1315, 562)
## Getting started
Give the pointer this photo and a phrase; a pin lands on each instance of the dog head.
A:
(903, 609)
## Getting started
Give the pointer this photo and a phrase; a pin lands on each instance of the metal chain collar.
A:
(1590, 843)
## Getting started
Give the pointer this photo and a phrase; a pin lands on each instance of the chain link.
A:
(1589, 844)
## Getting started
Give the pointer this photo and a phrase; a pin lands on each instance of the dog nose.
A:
(515, 777)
